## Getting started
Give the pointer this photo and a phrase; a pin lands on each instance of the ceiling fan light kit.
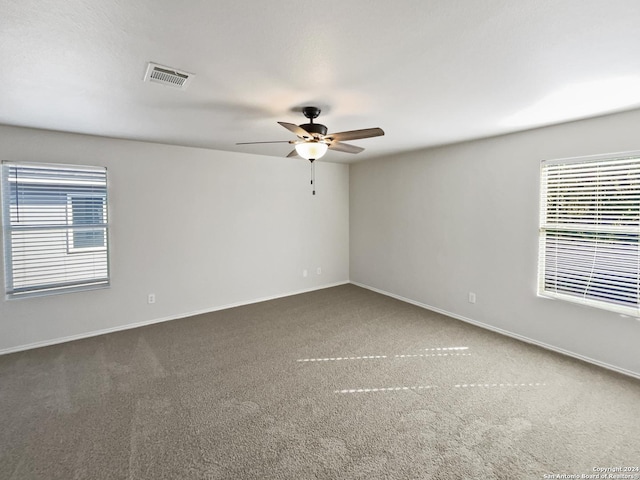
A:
(311, 150)
(313, 140)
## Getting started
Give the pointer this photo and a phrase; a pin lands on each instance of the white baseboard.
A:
(503, 332)
(95, 333)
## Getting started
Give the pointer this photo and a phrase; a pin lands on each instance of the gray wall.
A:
(201, 229)
(433, 225)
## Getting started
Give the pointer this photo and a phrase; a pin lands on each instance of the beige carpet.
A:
(341, 383)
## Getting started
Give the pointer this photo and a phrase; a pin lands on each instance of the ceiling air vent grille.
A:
(167, 76)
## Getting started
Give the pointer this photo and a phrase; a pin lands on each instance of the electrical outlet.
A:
(472, 297)
(319, 271)
(305, 273)
(151, 298)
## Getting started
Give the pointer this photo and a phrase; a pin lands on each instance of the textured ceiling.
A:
(428, 72)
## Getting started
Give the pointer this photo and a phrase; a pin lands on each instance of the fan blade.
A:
(293, 153)
(345, 147)
(356, 134)
(253, 143)
(299, 131)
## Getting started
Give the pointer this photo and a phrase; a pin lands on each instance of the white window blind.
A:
(589, 231)
(55, 228)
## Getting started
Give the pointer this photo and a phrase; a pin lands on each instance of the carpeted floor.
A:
(341, 383)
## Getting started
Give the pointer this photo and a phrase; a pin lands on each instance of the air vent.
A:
(167, 76)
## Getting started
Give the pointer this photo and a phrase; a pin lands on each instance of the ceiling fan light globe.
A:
(311, 150)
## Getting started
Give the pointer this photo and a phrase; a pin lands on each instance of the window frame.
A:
(603, 234)
(66, 283)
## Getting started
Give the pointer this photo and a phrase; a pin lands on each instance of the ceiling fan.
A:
(313, 141)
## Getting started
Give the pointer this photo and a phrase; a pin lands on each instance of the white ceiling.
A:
(429, 72)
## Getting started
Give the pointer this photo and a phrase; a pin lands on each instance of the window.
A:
(589, 231)
(90, 211)
(55, 228)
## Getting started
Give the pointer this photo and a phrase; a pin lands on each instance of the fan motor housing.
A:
(317, 128)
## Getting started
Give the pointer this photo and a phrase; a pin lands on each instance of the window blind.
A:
(55, 228)
(590, 230)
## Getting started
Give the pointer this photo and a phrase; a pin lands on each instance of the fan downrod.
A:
(317, 128)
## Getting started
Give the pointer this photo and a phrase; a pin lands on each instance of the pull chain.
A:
(313, 175)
